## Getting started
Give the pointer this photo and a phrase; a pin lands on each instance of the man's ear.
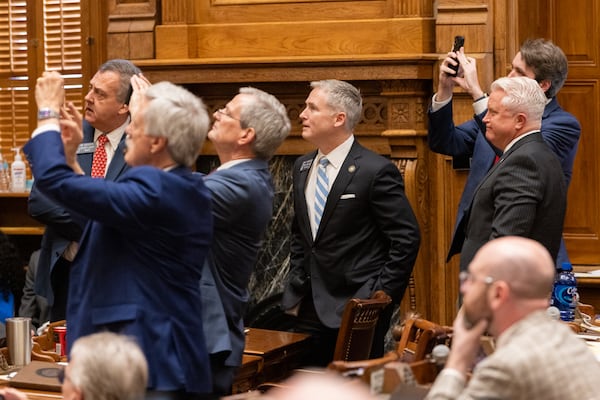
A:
(157, 144)
(498, 293)
(340, 119)
(124, 109)
(545, 85)
(521, 120)
(248, 135)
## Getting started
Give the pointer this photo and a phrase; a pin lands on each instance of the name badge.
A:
(85, 148)
(306, 165)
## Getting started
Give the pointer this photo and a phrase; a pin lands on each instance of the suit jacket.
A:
(536, 358)
(368, 238)
(560, 130)
(32, 305)
(523, 195)
(139, 261)
(242, 198)
(62, 225)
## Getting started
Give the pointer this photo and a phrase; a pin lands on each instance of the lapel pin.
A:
(351, 168)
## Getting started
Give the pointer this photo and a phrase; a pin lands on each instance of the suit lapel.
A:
(347, 171)
(299, 193)
(85, 159)
(117, 164)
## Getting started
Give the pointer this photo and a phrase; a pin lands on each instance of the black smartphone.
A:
(459, 41)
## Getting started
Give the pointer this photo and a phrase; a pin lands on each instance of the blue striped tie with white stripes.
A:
(321, 190)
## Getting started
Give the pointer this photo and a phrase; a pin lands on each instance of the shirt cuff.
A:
(436, 105)
(45, 128)
(480, 105)
(456, 374)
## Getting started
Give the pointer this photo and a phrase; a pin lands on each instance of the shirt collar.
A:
(337, 156)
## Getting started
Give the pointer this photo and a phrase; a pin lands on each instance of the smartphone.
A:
(459, 41)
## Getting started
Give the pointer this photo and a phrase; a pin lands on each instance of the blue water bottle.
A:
(564, 294)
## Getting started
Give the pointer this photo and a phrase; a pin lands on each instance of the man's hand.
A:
(50, 91)
(71, 134)
(446, 80)
(469, 80)
(466, 342)
(139, 83)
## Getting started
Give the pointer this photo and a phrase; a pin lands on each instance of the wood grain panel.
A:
(582, 222)
(400, 36)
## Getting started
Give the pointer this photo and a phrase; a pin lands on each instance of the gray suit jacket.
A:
(524, 194)
(242, 207)
(536, 358)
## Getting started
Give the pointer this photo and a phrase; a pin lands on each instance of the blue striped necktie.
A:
(321, 190)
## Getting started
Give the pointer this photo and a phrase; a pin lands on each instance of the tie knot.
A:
(102, 139)
(324, 162)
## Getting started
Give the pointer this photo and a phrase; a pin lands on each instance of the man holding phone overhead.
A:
(538, 59)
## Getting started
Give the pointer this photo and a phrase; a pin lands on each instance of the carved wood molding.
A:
(130, 32)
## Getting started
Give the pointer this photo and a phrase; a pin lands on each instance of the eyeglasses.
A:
(223, 111)
(465, 276)
(61, 375)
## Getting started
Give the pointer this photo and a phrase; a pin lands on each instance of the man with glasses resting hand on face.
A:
(506, 292)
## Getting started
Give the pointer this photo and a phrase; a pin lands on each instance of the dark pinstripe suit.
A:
(523, 195)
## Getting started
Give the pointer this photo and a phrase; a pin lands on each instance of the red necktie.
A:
(496, 159)
(99, 160)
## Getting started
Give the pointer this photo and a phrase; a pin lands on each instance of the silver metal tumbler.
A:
(18, 339)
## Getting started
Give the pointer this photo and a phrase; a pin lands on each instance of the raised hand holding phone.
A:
(459, 41)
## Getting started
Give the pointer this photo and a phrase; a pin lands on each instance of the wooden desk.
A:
(588, 288)
(24, 231)
(35, 394)
(269, 356)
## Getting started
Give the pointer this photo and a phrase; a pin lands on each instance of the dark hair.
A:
(548, 63)
(12, 271)
(126, 69)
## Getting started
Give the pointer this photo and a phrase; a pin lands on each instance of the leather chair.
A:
(359, 321)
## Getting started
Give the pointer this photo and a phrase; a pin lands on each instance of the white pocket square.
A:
(348, 196)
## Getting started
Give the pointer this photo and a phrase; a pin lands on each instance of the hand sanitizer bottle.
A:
(18, 175)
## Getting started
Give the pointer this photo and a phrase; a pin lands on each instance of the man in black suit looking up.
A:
(354, 234)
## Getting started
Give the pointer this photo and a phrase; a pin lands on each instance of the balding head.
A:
(523, 263)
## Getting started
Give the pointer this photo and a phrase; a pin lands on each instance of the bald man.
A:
(506, 292)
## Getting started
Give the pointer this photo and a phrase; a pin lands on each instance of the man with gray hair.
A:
(103, 366)
(354, 233)
(524, 194)
(140, 257)
(246, 133)
(506, 293)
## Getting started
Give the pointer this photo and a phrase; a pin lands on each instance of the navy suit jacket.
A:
(139, 261)
(368, 238)
(560, 130)
(524, 194)
(242, 197)
(62, 225)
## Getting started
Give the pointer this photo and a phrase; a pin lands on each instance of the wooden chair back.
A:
(356, 332)
(418, 337)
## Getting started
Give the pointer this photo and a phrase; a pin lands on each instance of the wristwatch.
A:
(47, 113)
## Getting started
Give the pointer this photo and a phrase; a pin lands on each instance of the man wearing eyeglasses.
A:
(245, 133)
(506, 293)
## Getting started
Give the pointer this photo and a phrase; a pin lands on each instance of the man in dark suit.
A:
(538, 59)
(141, 254)
(524, 194)
(368, 237)
(106, 112)
(246, 134)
